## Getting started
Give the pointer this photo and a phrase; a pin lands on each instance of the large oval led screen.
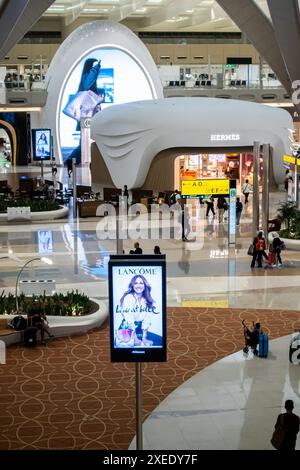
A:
(104, 77)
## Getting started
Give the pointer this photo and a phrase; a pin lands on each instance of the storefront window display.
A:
(230, 165)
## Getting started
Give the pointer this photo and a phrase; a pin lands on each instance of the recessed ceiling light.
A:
(190, 11)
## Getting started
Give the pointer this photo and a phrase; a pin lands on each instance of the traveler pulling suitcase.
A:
(30, 337)
(294, 353)
(263, 345)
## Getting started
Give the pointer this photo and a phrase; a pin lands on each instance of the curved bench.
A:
(63, 326)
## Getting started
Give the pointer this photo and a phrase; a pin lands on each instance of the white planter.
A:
(44, 215)
(66, 326)
(291, 244)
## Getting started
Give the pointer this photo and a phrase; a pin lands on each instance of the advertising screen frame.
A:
(34, 133)
(138, 354)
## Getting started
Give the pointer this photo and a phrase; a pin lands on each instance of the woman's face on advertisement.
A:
(138, 285)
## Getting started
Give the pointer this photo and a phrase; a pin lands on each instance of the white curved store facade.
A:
(129, 136)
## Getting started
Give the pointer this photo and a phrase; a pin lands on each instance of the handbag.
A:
(250, 251)
(82, 105)
(124, 335)
(282, 245)
(279, 434)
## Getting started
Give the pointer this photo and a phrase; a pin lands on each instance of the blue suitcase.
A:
(263, 346)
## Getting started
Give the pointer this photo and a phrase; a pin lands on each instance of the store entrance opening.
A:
(216, 164)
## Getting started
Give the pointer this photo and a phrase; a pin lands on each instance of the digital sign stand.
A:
(232, 213)
(137, 312)
(139, 405)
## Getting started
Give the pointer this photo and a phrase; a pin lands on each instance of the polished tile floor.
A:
(230, 405)
(198, 275)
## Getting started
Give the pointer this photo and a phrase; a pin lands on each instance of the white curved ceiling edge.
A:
(84, 39)
(130, 135)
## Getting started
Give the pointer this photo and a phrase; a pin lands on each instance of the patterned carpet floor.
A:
(68, 395)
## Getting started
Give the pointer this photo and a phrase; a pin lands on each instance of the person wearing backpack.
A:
(290, 422)
(277, 247)
(259, 244)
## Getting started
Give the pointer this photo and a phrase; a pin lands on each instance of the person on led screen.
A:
(45, 241)
(43, 139)
(88, 107)
(138, 308)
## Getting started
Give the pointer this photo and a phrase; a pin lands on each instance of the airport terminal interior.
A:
(71, 166)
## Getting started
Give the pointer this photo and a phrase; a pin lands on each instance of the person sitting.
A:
(157, 250)
(252, 338)
(275, 225)
(137, 251)
(38, 319)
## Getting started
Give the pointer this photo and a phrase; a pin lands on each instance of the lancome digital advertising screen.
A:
(137, 301)
(41, 144)
(104, 77)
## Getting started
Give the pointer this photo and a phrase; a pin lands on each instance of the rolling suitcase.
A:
(294, 353)
(30, 337)
(263, 345)
(271, 258)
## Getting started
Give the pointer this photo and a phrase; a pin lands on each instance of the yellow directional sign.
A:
(289, 159)
(204, 187)
(298, 161)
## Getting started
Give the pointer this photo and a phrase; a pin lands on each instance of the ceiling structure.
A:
(16, 18)
(148, 15)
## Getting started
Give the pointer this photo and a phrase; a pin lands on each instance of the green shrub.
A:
(287, 212)
(36, 205)
(70, 304)
(290, 215)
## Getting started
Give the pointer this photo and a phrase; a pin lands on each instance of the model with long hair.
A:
(137, 307)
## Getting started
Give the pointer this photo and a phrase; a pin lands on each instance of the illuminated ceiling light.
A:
(154, 1)
(73, 7)
(141, 10)
(90, 9)
(190, 11)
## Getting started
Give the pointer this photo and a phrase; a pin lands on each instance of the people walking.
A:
(222, 207)
(277, 247)
(238, 210)
(290, 422)
(246, 190)
(185, 223)
(259, 245)
(210, 206)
